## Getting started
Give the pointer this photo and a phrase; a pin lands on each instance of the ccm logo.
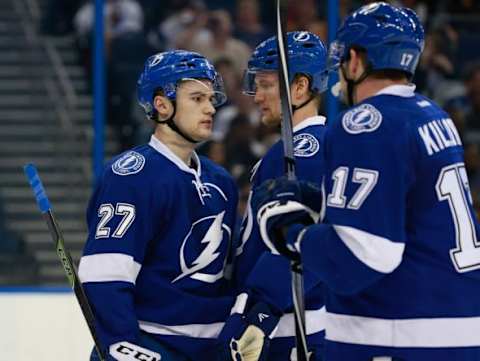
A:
(126, 351)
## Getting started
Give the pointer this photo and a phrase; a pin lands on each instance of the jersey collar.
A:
(316, 120)
(404, 91)
(160, 147)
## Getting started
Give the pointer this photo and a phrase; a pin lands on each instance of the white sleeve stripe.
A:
(315, 322)
(108, 267)
(410, 332)
(378, 253)
(205, 330)
(240, 304)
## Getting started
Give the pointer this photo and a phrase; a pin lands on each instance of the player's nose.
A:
(258, 98)
(210, 109)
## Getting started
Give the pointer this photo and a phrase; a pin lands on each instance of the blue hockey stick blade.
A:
(37, 187)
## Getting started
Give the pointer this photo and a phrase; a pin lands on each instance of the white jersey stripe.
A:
(197, 330)
(378, 253)
(315, 322)
(414, 332)
(108, 267)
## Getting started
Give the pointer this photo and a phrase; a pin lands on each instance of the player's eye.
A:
(264, 86)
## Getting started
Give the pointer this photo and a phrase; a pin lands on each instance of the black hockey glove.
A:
(280, 203)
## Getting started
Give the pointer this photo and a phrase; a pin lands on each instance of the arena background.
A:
(56, 112)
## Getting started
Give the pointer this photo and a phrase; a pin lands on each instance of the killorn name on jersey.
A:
(439, 134)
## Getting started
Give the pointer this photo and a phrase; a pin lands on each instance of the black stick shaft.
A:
(287, 138)
(67, 263)
(73, 278)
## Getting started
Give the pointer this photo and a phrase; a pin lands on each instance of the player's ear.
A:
(300, 87)
(356, 66)
(163, 106)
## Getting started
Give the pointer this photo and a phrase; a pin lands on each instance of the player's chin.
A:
(270, 121)
(204, 133)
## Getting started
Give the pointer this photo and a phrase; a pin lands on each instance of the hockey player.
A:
(255, 266)
(398, 248)
(160, 224)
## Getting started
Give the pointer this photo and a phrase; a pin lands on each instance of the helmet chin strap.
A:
(351, 83)
(174, 127)
(296, 107)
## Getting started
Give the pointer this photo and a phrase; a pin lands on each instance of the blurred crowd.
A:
(17, 264)
(227, 31)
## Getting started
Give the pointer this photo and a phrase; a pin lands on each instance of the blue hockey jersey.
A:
(267, 274)
(159, 235)
(398, 249)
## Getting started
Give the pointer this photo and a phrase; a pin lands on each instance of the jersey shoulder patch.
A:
(129, 163)
(362, 119)
(305, 145)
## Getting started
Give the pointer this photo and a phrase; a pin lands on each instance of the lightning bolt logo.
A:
(156, 59)
(306, 145)
(129, 163)
(362, 117)
(301, 144)
(213, 239)
(124, 163)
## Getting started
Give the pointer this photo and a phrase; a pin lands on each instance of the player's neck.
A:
(179, 146)
(307, 111)
(371, 86)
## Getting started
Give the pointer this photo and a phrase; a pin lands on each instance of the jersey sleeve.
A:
(119, 216)
(367, 179)
(247, 248)
(270, 281)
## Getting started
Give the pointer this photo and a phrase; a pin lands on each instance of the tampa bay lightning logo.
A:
(212, 231)
(362, 119)
(156, 59)
(305, 145)
(301, 36)
(367, 9)
(129, 163)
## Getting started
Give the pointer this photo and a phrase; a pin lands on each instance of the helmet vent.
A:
(381, 18)
(272, 52)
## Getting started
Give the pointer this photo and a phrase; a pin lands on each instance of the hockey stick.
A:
(65, 258)
(287, 138)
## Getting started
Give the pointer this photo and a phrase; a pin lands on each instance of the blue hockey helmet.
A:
(392, 37)
(306, 55)
(163, 71)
